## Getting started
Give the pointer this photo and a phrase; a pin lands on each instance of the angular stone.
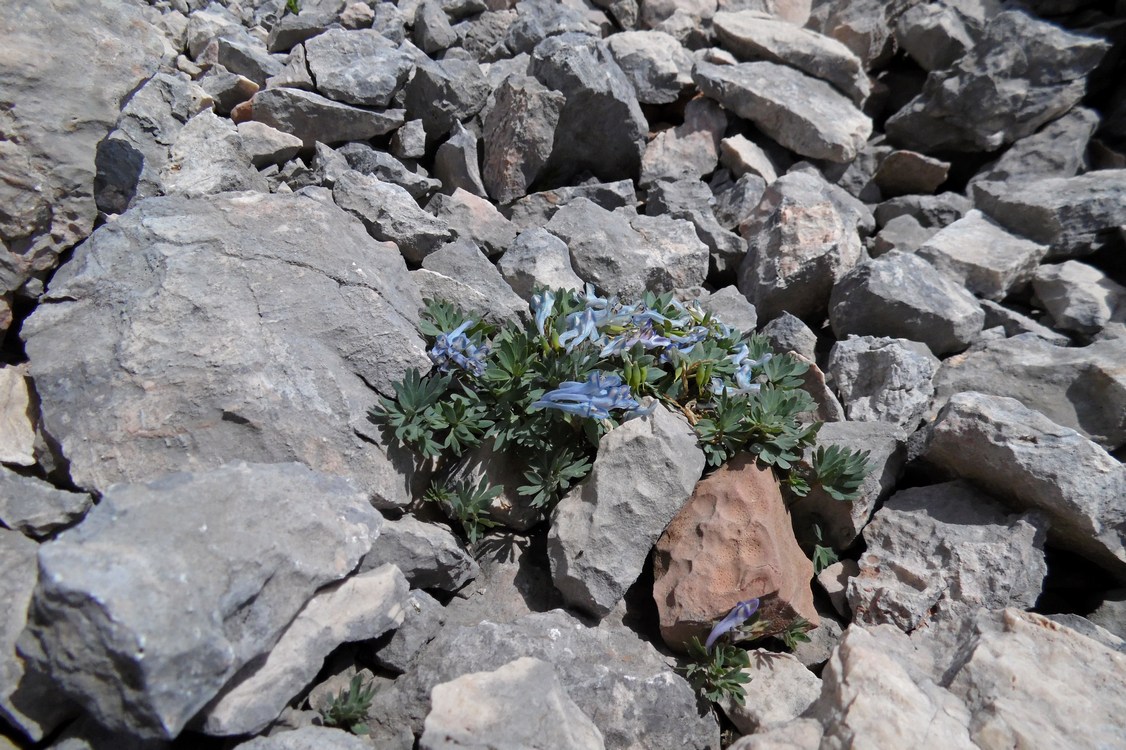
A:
(37, 508)
(292, 29)
(1079, 297)
(224, 352)
(602, 530)
(743, 156)
(390, 213)
(360, 608)
(539, 20)
(732, 541)
(159, 634)
(989, 261)
(654, 62)
(626, 254)
(601, 127)
(933, 34)
(475, 219)
(424, 617)
(688, 151)
(429, 555)
(735, 203)
(932, 211)
(864, 26)
(242, 54)
(432, 30)
(1078, 387)
(732, 309)
(903, 234)
(906, 172)
(1021, 456)
(265, 145)
(757, 36)
(307, 738)
(1023, 73)
(311, 117)
(482, 36)
(1058, 149)
(535, 210)
(800, 243)
(409, 141)
(519, 136)
(455, 163)
(17, 430)
(295, 74)
(208, 156)
(787, 333)
(538, 259)
(803, 114)
(1015, 323)
(903, 296)
(444, 92)
(207, 23)
(357, 67)
(945, 551)
(693, 201)
(472, 282)
(883, 379)
(780, 690)
(834, 582)
(367, 160)
(521, 704)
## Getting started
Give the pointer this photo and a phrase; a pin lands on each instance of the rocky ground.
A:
(220, 221)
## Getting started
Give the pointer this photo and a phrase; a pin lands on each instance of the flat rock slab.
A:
(192, 332)
(38, 508)
(308, 738)
(357, 67)
(312, 117)
(803, 114)
(167, 589)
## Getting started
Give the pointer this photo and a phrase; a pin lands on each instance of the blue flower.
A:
(601, 392)
(581, 326)
(455, 347)
(542, 305)
(644, 335)
(735, 618)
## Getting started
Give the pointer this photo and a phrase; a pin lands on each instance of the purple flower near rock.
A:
(736, 617)
(456, 348)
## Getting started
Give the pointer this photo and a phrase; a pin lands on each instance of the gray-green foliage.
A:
(718, 673)
(349, 708)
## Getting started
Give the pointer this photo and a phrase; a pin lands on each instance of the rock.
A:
(800, 243)
(519, 136)
(1021, 456)
(842, 522)
(780, 690)
(826, 406)
(626, 254)
(803, 114)
(538, 259)
(445, 92)
(535, 210)
(834, 582)
(265, 145)
(223, 353)
(1077, 387)
(989, 261)
(602, 530)
(208, 23)
(619, 681)
(732, 541)
(424, 617)
(37, 508)
(409, 141)
(1015, 323)
(787, 333)
(482, 287)
(390, 213)
(253, 543)
(1022, 74)
(359, 608)
(654, 12)
(357, 67)
(688, 151)
(1058, 149)
(1079, 297)
(906, 172)
(521, 704)
(735, 203)
(243, 54)
(432, 30)
(931, 211)
(307, 738)
(903, 296)
(482, 36)
(864, 26)
(601, 127)
(295, 74)
(357, 15)
(367, 160)
(428, 554)
(933, 35)
(476, 219)
(1111, 614)
(207, 157)
(883, 379)
(539, 20)
(47, 164)
(903, 234)
(292, 29)
(1074, 216)
(87, 734)
(732, 309)
(945, 551)
(654, 62)
(17, 429)
(455, 163)
(313, 118)
(742, 156)
(756, 36)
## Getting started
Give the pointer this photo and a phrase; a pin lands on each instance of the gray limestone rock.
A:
(1058, 149)
(456, 163)
(908, 172)
(409, 141)
(602, 530)
(519, 705)
(205, 24)
(903, 296)
(432, 30)
(687, 151)
(444, 92)
(1074, 216)
(654, 62)
(733, 204)
(1079, 297)
(800, 243)
(883, 379)
(519, 136)
(1024, 458)
(208, 156)
(931, 211)
(535, 210)
(1078, 387)
(1111, 614)
(424, 617)
(429, 555)
(691, 200)
(482, 36)
(357, 67)
(472, 218)
(38, 508)
(169, 588)
(626, 254)
(367, 160)
(17, 418)
(538, 259)
(788, 333)
(390, 213)
(223, 351)
(471, 281)
(307, 738)
(1022, 74)
(242, 54)
(944, 551)
(265, 145)
(781, 688)
(743, 156)
(292, 29)
(731, 308)
(295, 74)
(758, 36)
(601, 127)
(1015, 323)
(360, 608)
(864, 26)
(538, 20)
(933, 34)
(803, 114)
(903, 233)
(311, 117)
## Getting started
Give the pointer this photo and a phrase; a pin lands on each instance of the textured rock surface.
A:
(307, 738)
(519, 136)
(731, 542)
(1058, 149)
(519, 705)
(882, 379)
(357, 67)
(143, 618)
(1079, 297)
(945, 551)
(602, 531)
(17, 430)
(906, 172)
(538, 258)
(428, 554)
(313, 118)
(474, 219)
(780, 690)
(688, 151)
(1021, 456)
(208, 156)
(223, 353)
(654, 62)
(38, 508)
(390, 213)
(460, 272)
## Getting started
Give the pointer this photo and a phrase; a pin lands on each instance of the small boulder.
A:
(883, 379)
(1079, 297)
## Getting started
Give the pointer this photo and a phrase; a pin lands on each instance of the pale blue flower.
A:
(456, 348)
(736, 617)
(542, 304)
(645, 335)
(581, 326)
(601, 392)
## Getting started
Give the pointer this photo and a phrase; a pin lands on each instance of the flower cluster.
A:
(739, 614)
(744, 373)
(594, 399)
(456, 348)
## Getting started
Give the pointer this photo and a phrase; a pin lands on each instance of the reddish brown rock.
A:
(732, 541)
